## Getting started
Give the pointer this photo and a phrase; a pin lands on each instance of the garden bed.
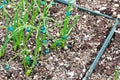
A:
(84, 41)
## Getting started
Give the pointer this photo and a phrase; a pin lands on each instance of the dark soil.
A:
(85, 41)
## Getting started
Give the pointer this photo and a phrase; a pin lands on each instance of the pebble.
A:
(84, 70)
(118, 16)
(81, 75)
(114, 13)
(115, 0)
(109, 72)
(116, 5)
(50, 58)
(52, 68)
(57, 34)
(29, 45)
(62, 62)
(35, 77)
(84, 16)
(0, 22)
(48, 66)
(102, 8)
(55, 59)
(49, 0)
(98, 21)
(109, 58)
(114, 9)
(8, 6)
(65, 47)
(117, 52)
(77, 59)
(71, 74)
(54, 78)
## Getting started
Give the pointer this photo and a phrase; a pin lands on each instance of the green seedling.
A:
(28, 73)
(116, 75)
(22, 25)
(3, 4)
(65, 31)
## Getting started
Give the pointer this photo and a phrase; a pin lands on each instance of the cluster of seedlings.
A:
(22, 25)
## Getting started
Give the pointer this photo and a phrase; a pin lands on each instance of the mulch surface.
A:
(85, 41)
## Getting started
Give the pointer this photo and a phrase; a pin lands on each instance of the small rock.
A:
(83, 70)
(58, 34)
(65, 47)
(52, 68)
(118, 16)
(50, 58)
(114, 8)
(77, 59)
(116, 5)
(84, 16)
(114, 13)
(54, 78)
(117, 52)
(61, 64)
(55, 59)
(48, 0)
(115, 0)
(109, 58)
(71, 74)
(109, 72)
(35, 77)
(102, 8)
(0, 22)
(8, 6)
(98, 21)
